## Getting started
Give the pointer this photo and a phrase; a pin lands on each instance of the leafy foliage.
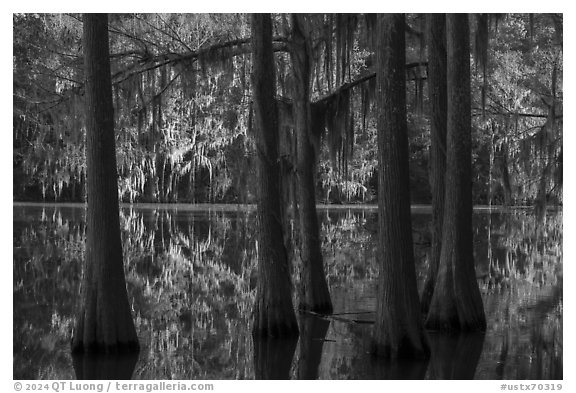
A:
(183, 107)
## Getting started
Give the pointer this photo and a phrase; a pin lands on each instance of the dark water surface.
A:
(191, 275)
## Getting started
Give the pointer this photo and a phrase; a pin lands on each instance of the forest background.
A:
(183, 115)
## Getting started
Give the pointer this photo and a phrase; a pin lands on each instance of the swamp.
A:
(288, 196)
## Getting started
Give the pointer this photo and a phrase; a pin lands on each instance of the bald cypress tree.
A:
(104, 321)
(314, 294)
(273, 313)
(436, 41)
(398, 331)
(456, 303)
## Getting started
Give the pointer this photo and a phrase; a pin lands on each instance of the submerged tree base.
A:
(452, 324)
(275, 321)
(276, 330)
(406, 349)
(453, 313)
(96, 347)
(98, 366)
(105, 325)
(323, 308)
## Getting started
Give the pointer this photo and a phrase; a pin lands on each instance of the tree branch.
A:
(513, 114)
(363, 78)
(241, 44)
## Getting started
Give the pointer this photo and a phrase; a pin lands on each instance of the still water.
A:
(191, 275)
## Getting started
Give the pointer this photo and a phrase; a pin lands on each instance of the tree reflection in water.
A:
(311, 342)
(397, 369)
(191, 275)
(273, 357)
(455, 356)
(98, 366)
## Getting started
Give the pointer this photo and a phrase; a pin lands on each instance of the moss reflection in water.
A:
(191, 274)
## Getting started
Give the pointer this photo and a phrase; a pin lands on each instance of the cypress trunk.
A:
(314, 294)
(456, 303)
(104, 321)
(398, 331)
(436, 37)
(273, 313)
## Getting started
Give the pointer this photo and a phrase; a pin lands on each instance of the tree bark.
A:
(104, 321)
(436, 36)
(314, 294)
(274, 313)
(456, 303)
(398, 331)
